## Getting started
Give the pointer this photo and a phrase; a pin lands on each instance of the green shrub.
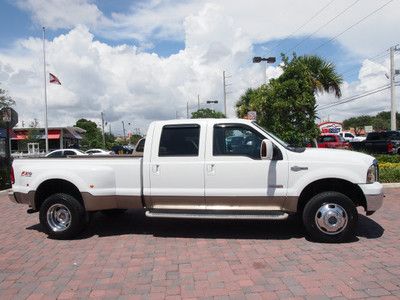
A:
(389, 174)
(383, 158)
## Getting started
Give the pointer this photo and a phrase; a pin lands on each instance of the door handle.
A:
(297, 168)
(156, 169)
(211, 168)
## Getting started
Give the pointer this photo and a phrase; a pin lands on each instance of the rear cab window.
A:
(179, 140)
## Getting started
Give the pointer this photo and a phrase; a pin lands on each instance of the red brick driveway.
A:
(135, 257)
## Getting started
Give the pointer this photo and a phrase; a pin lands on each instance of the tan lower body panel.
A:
(93, 203)
(223, 203)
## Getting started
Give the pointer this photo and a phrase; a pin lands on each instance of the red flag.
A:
(54, 79)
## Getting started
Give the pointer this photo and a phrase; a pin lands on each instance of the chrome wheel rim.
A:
(58, 217)
(331, 218)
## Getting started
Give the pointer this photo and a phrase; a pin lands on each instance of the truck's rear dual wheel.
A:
(62, 216)
(330, 217)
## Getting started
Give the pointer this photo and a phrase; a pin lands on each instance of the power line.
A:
(303, 25)
(355, 24)
(372, 58)
(355, 97)
(324, 25)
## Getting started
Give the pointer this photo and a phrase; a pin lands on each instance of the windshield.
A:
(284, 144)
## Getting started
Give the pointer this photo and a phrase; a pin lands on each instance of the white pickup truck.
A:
(206, 168)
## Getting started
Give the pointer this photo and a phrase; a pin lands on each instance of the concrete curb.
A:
(391, 185)
(4, 192)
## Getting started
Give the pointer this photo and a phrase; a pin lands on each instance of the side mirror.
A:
(266, 150)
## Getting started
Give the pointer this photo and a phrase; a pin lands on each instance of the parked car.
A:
(65, 153)
(139, 149)
(349, 137)
(387, 142)
(98, 152)
(332, 141)
(188, 171)
(118, 149)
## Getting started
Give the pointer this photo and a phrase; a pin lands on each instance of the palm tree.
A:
(322, 74)
(243, 105)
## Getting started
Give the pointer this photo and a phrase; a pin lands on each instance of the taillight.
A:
(12, 177)
(389, 147)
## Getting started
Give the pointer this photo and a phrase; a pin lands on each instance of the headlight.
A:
(372, 174)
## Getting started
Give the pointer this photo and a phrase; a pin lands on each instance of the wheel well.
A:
(351, 190)
(53, 186)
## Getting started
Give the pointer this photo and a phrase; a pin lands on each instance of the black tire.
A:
(331, 202)
(68, 208)
(113, 213)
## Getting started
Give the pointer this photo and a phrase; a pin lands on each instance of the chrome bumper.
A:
(11, 196)
(22, 198)
(373, 195)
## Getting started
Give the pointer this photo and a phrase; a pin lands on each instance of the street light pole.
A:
(268, 60)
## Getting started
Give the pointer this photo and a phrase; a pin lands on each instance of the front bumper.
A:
(373, 195)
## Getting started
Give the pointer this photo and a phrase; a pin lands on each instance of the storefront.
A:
(32, 141)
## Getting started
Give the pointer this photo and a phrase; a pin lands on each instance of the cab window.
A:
(236, 140)
(179, 140)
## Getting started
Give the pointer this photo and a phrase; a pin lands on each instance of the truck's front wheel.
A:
(330, 217)
(62, 216)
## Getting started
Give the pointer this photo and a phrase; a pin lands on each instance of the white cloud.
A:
(137, 87)
(125, 83)
(260, 20)
(56, 14)
(371, 76)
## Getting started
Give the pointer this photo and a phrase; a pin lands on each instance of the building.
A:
(33, 140)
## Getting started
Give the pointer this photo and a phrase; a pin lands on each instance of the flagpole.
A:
(45, 92)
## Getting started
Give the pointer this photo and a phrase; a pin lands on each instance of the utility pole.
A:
(393, 71)
(198, 102)
(187, 110)
(123, 129)
(102, 127)
(223, 80)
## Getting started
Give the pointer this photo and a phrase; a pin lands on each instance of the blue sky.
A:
(144, 54)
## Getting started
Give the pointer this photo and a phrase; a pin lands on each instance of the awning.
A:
(23, 135)
(52, 135)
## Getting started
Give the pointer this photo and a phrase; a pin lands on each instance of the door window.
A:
(69, 152)
(179, 140)
(236, 140)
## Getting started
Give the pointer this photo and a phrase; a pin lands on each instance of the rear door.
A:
(177, 167)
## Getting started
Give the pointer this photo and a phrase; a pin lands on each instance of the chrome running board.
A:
(267, 215)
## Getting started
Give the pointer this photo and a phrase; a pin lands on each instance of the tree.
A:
(243, 106)
(135, 138)
(357, 123)
(5, 100)
(322, 74)
(286, 106)
(207, 113)
(379, 122)
(93, 137)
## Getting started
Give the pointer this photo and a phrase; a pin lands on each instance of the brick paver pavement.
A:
(134, 257)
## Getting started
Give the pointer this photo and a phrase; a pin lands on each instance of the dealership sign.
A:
(330, 127)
